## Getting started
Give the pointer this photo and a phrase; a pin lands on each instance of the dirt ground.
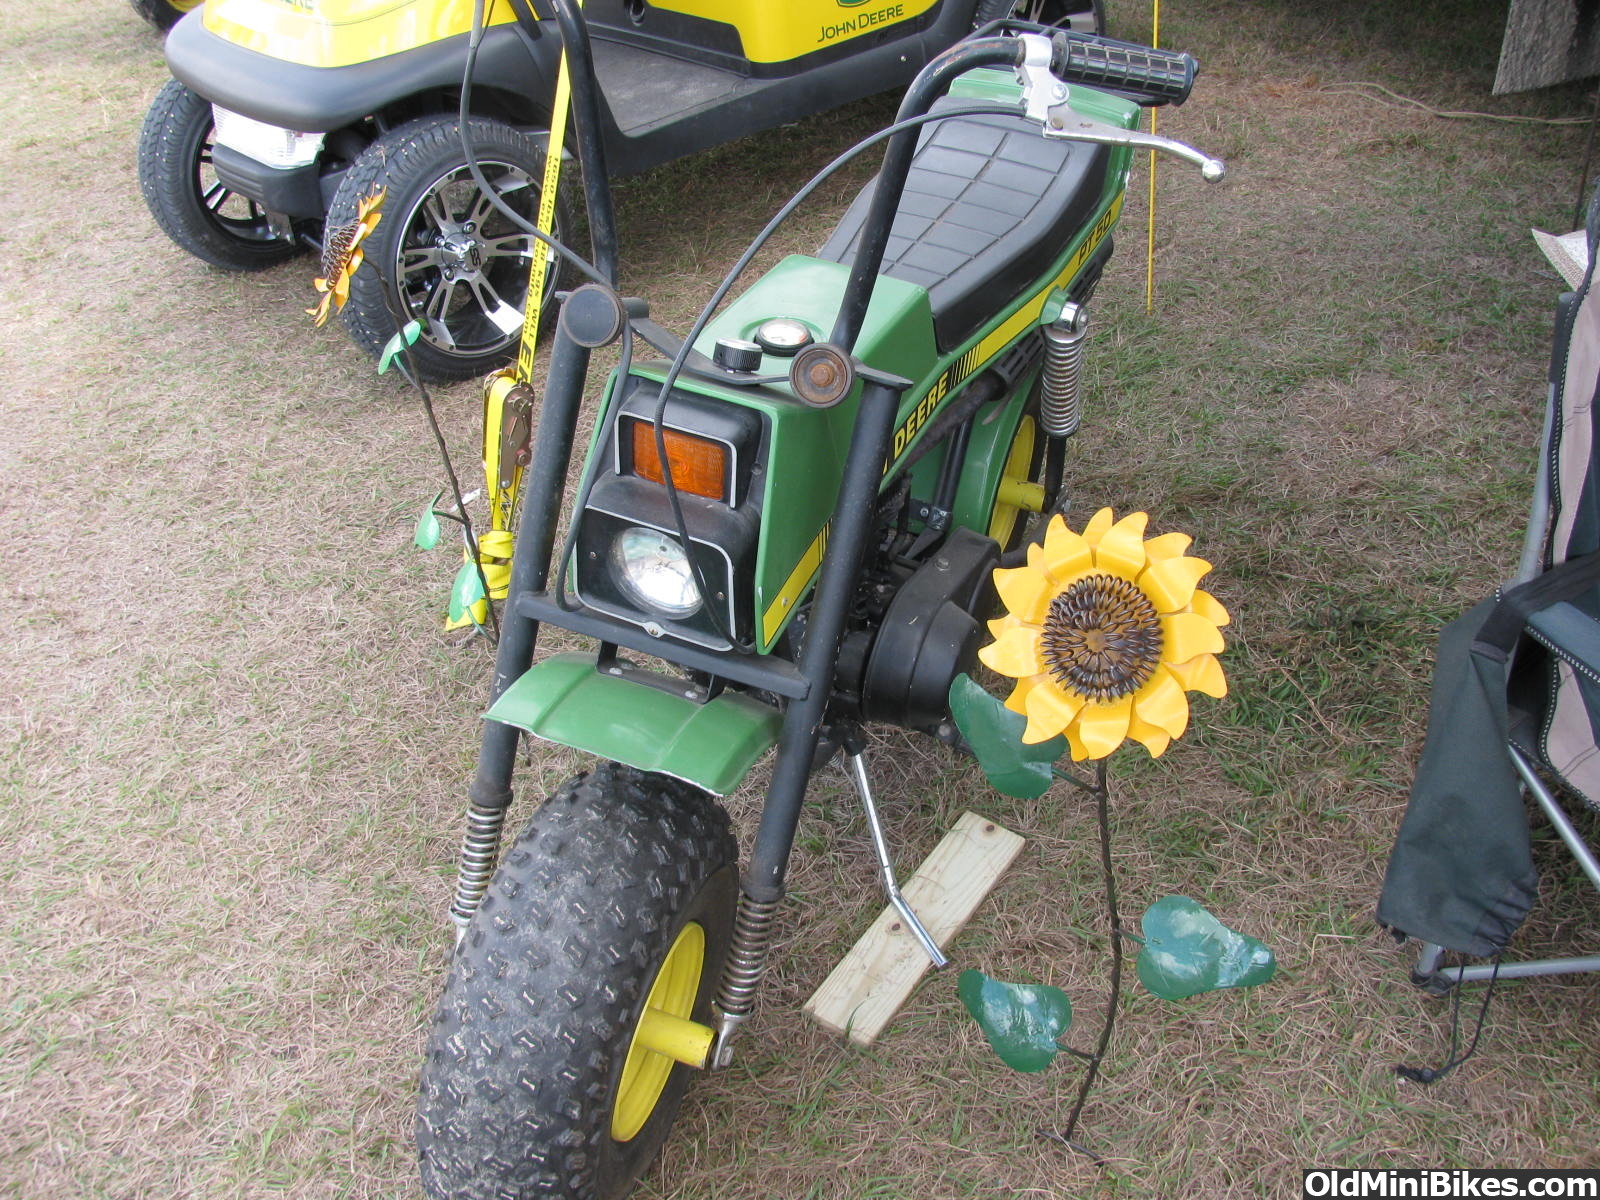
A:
(234, 739)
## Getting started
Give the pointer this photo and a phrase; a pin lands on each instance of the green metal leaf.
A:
(427, 535)
(995, 734)
(407, 336)
(1188, 951)
(465, 592)
(1022, 1021)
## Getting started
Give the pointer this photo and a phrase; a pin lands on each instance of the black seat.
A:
(989, 203)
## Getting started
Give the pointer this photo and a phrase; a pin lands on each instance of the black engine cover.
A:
(930, 633)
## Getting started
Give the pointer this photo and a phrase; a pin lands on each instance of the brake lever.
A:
(1046, 99)
(1066, 123)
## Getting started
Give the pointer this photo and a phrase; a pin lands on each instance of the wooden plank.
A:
(863, 993)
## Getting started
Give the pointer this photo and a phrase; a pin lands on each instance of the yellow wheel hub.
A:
(1017, 493)
(664, 1035)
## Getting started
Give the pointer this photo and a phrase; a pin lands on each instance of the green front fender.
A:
(712, 745)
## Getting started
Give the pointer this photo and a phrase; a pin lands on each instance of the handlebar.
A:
(1149, 76)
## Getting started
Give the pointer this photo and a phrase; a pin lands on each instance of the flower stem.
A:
(1101, 795)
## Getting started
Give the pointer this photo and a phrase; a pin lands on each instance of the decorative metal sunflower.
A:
(342, 256)
(1104, 632)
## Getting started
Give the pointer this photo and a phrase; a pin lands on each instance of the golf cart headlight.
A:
(269, 144)
(653, 571)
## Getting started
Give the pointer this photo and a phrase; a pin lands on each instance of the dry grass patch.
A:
(234, 741)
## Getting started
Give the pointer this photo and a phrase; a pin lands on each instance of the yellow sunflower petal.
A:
(1202, 673)
(1168, 545)
(1049, 710)
(1154, 740)
(1017, 701)
(1170, 583)
(1025, 592)
(1065, 553)
(1014, 653)
(1207, 606)
(1121, 548)
(1161, 703)
(324, 305)
(1187, 634)
(1097, 526)
(1101, 728)
(1002, 623)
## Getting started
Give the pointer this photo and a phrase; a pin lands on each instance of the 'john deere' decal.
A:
(861, 22)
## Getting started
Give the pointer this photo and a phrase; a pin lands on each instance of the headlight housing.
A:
(632, 560)
(281, 148)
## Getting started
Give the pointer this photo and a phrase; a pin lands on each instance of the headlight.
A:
(280, 148)
(653, 571)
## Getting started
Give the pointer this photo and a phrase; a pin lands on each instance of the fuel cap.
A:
(736, 354)
(783, 336)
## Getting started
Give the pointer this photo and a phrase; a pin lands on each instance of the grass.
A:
(234, 741)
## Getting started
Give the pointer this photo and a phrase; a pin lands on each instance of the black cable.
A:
(1452, 1061)
(681, 358)
(728, 281)
(414, 378)
(476, 169)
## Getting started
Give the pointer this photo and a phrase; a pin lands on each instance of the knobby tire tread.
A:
(545, 986)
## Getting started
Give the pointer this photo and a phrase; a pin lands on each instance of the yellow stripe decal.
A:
(799, 579)
(1001, 336)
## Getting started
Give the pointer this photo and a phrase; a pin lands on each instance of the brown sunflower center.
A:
(338, 244)
(1102, 637)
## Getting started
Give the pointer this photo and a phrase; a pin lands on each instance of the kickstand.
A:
(855, 753)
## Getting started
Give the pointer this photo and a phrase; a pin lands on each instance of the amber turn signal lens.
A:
(699, 466)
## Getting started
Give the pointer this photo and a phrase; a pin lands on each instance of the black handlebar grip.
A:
(1150, 76)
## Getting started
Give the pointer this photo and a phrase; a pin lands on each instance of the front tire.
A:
(163, 14)
(533, 1083)
(185, 197)
(457, 264)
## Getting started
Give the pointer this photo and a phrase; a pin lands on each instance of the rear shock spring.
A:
(480, 850)
(1061, 385)
(747, 956)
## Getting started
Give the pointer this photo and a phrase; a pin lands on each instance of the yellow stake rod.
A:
(1150, 234)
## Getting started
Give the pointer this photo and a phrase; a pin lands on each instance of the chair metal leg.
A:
(1427, 973)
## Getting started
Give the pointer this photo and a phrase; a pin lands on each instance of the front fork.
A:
(490, 793)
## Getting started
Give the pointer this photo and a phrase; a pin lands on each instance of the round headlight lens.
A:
(653, 571)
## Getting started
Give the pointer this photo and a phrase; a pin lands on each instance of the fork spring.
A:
(747, 955)
(1061, 387)
(480, 850)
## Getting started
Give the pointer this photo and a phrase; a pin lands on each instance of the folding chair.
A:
(1516, 695)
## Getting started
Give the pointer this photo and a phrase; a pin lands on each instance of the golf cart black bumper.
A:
(321, 99)
(295, 192)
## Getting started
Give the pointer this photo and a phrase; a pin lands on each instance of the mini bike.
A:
(283, 114)
(785, 528)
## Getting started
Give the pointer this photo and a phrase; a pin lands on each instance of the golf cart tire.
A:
(162, 14)
(200, 215)
(421, 169)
